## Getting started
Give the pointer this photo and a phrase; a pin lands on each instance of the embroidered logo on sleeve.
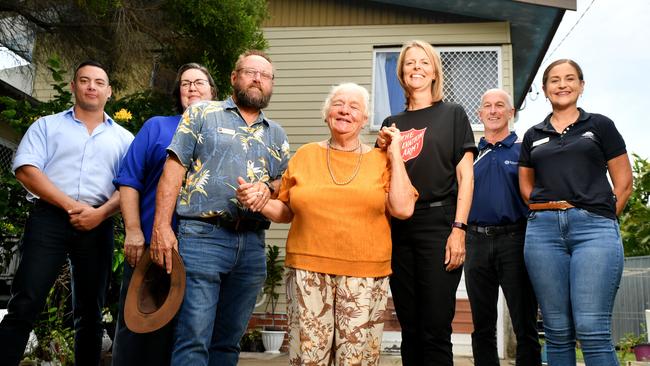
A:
(412, 141)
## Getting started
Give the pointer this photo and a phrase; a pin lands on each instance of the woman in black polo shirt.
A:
(429, 248)
(573, 249)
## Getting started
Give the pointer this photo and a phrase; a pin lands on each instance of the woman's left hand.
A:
(455, 249)
(393, 137)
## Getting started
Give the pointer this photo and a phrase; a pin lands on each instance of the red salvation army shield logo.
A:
(412, 141)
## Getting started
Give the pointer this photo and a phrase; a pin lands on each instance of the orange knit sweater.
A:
(338, 229)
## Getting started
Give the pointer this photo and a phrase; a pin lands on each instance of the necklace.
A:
(356, 169)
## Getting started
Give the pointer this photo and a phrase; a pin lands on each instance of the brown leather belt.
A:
(551, 205)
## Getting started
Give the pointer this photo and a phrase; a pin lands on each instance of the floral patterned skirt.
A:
(335, 320)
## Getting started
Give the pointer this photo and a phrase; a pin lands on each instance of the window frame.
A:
(441, 49)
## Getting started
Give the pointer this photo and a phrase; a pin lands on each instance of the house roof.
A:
(532, 27)
(7, 89)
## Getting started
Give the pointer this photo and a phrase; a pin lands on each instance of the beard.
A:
(247, 99)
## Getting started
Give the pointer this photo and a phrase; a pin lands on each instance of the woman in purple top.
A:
(137, 182)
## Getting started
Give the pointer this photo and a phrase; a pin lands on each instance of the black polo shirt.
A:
(572, 165)
(497, 200)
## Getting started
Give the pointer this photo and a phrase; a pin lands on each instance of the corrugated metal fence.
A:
(632, 299)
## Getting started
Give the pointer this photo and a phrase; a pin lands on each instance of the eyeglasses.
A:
(250, 73)
(198, 83)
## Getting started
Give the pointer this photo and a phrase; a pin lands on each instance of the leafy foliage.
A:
(274, 274)
(20, 114)
(129, 35)
(635, 220)
(53, 328)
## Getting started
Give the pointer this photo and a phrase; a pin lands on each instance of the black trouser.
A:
(154, 348)
(494, 260)
(424, 293)
(49, 240)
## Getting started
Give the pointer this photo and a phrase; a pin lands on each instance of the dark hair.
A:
(90, 63)
(176, 93)
(559, 62)
(247, 53)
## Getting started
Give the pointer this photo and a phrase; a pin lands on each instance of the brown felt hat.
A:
(154, 297)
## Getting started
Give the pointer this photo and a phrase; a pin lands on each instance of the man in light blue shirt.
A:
(67, 162)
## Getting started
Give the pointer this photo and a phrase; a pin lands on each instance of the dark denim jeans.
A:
(49, 240)
(225, 273)
(575, 262)
(423, 291)
(493, 261)
(139, 349)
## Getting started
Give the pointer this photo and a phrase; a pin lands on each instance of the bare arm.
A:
(455, 249)
(82, 216)
(163, 239)
(401, 196)
(39, 184)
(620, 172)
(277, 211)
(134, 238)
(526, 182)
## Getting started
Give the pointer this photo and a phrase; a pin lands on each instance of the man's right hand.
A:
(133, 246)
(163, 240)
(84, 217)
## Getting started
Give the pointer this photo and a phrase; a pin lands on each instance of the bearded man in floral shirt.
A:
(221, 243)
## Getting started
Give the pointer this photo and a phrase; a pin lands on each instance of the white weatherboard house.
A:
(484, 44)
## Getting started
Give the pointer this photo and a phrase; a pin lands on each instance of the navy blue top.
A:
(496, 184)
(572, 165)
(143, 164)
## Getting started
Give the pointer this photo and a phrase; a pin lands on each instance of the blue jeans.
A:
(225, 272)
(575, 261)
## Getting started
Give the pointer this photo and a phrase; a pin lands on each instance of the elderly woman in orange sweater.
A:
(339, 195)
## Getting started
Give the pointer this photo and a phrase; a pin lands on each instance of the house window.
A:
(469, 72)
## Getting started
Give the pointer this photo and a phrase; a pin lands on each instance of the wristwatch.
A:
(459, 225)
(268, 184)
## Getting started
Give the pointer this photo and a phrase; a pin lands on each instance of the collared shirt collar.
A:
(548, 127)
(230, 104)
(107, 118)
(507, 142)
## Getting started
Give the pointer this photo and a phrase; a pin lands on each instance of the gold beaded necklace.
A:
(329, 167)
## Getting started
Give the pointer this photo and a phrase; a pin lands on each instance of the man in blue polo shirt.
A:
(67, 162)
(495, 239)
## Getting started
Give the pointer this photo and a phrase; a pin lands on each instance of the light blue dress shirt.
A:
(80, 164)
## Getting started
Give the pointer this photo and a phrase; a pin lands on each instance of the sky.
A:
(611, 43)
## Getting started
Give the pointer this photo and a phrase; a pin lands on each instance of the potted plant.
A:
(273, 336)
(252, 341)
(637, 344)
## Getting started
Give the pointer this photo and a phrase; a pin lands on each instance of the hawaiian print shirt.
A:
(216, 146)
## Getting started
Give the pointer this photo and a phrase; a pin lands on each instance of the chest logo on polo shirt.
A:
(412, 141)
(589, 135)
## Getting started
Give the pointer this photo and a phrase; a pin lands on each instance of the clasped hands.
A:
(390, 138)
(253, 196)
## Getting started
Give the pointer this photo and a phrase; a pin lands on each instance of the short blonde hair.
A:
(348, 87)
(437, 85)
